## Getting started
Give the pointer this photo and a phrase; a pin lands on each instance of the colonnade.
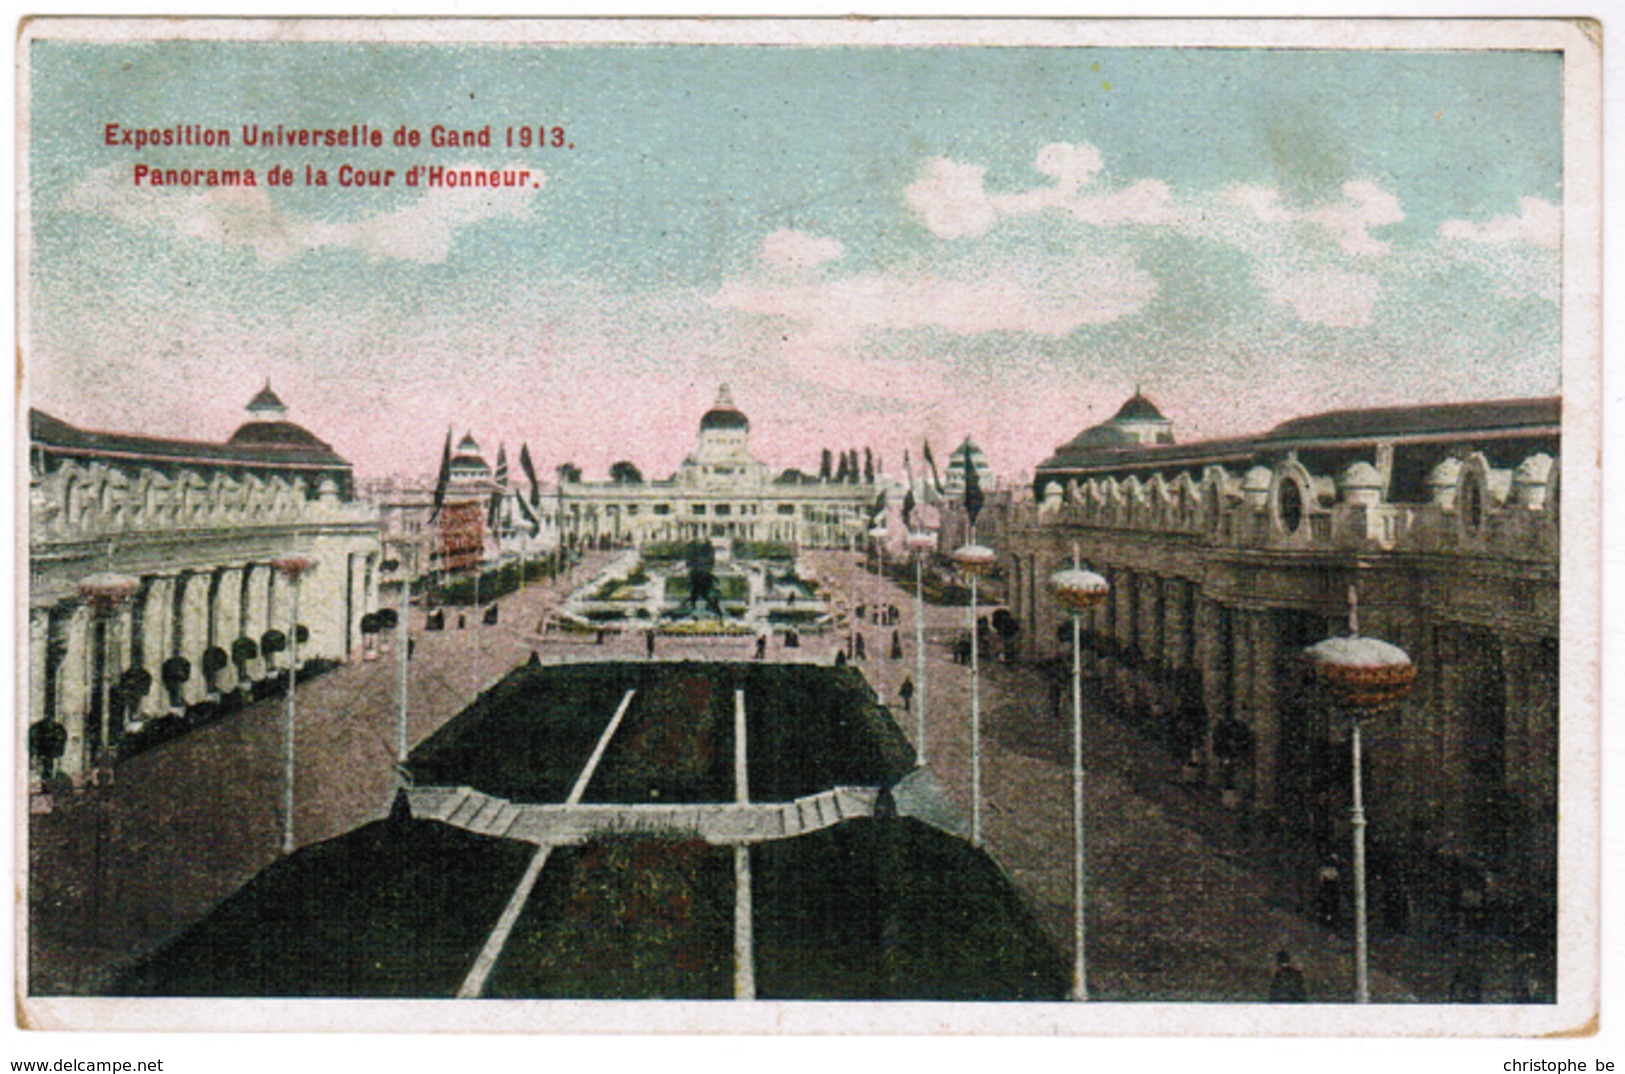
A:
(74, 647)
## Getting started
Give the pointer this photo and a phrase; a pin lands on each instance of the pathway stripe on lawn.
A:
(744, 953)
(474, 983)
(598, 752)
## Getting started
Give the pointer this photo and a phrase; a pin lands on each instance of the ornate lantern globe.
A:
(292, 567)
(105, 591)
(921, 541)
(1078, 590)
(1363, 676)
(974, 559)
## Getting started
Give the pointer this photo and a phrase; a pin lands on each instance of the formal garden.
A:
(699, 589)
(881, 907)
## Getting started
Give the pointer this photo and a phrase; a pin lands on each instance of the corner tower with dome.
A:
(720, 490)
(191, 529)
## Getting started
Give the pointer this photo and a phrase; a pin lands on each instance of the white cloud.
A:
(1538, 223)
(1338, 299)
(1072, 166)
(798, 250)
(1365, 205)
(421, 230)
(950, 197)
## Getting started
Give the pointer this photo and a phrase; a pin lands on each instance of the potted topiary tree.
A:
(369, 628)
(273, 641)
(215, 660)
(176, 672)
(133, 685)
(243, 650)
(387, 620)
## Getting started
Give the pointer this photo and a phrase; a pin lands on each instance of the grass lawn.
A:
(633, 917)
(528, 737)
(894, 909)
(394, 909)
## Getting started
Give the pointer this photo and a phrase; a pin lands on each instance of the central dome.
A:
(724, 415)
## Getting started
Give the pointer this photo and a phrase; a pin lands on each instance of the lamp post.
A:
(877, 538)
(975, 560)
(402, 647)
(919, 543)
(103, 593)
(292, 568)
(1364, 677)
(1078, 591)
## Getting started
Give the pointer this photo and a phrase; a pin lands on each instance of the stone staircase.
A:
(557, 824)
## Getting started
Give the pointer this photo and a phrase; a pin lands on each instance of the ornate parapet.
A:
(1473, 508)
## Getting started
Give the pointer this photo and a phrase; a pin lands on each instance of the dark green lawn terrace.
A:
(635, 917)
(397, 908)
(809, 728)
(894, 909)
(527, 738)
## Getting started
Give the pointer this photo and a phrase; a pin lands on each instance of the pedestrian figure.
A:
(491, 615)
(598, 637)
(896, 645)
(1329, 894)
(858, 651)
(840, 658)
(792, 640)
(649, 643)
(906, 692)
(411, 647)
(1288, 985)
(761, 646)
(462, 622)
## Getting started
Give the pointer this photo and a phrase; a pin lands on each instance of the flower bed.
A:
(720, 628)
(629, 917)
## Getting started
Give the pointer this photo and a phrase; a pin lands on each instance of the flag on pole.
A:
(908, 495)
(530, 515)
(500, 479)
(443, 480)
(933, 490)
(973, 487)
(877, 510)
(530, 474)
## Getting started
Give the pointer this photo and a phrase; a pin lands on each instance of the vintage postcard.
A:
(817, 526)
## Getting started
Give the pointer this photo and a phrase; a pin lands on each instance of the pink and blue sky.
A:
(872, 246)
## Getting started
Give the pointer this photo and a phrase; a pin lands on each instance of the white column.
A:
(257, 614)
(74, 689)
(157, 612)
(228, 616)
(39, 630)
(195, 633)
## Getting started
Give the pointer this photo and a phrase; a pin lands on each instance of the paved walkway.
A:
(1184, 902)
